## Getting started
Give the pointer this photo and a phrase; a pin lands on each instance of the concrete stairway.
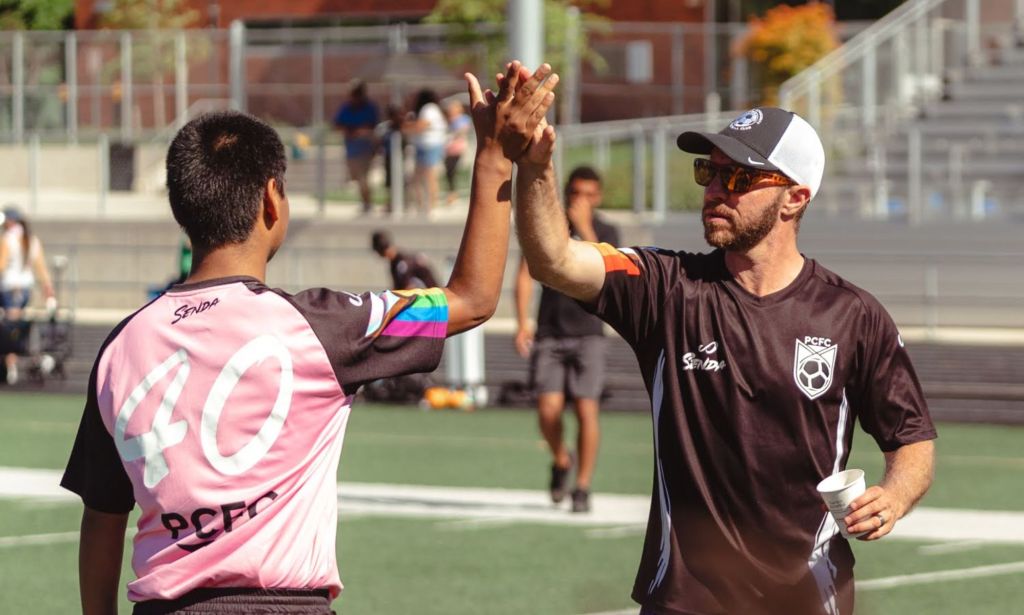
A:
(972, 135)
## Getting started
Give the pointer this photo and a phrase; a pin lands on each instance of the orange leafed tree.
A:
(786, 40)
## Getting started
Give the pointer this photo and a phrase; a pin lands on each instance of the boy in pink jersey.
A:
(220, 407)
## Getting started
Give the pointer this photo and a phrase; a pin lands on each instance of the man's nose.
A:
(716, 188)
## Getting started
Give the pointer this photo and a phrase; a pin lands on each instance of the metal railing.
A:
(877, 84)
(934, 290)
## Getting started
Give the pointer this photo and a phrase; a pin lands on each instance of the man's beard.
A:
(741, 237)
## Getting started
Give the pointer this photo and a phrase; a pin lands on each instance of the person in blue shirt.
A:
(357, 118)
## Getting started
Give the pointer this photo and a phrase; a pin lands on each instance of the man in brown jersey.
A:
(758, 362)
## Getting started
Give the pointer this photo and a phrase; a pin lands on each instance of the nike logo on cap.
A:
(752, 161)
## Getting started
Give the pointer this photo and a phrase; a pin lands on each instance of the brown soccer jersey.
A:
(754, 400)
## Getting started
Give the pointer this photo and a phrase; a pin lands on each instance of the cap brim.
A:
(704, 142)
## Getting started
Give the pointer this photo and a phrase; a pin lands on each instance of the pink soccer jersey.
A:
(220, 408)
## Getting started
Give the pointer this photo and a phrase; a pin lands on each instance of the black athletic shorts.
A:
(241, 601)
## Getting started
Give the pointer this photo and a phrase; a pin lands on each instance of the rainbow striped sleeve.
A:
(421, 312)
(619, 259)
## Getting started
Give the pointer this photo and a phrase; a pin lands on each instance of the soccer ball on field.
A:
(814, 373)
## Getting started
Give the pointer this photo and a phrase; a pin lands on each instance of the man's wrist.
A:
(533, 169)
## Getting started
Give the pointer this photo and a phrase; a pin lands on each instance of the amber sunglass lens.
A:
(740, 180)
(703, 172)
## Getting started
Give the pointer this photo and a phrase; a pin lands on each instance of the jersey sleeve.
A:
(891, 404)
(95, 471)
(377, 335)
(635, 285)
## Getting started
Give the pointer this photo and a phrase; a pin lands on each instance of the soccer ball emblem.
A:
(747, 120)
(814, 373)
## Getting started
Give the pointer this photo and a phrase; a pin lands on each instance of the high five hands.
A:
(514, 118)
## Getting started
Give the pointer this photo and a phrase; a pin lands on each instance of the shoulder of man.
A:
(847, 290)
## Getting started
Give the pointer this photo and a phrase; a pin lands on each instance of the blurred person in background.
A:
(253, 531)
(428, 133)
(459, 127)
(407, 271)
(395, 118)
(22, 265)
(758, 362)
(567, 350)
(356, 118)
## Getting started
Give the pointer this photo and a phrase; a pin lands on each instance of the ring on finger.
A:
(881, 520)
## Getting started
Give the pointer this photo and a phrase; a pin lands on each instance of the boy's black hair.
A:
(218, 166)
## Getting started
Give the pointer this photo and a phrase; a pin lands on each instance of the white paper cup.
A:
(838, 491)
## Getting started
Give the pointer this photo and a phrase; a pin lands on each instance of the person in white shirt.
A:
(22, 263)
(429, 133)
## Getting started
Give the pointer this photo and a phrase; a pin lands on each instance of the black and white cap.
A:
(766, 138)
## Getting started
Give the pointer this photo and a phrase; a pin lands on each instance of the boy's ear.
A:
(272, 201)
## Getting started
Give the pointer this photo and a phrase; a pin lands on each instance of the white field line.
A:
(940, 576)
(616, 532)
(474, 524)
(37, 539)
(960, 546)
(7, 542)
(534, 506)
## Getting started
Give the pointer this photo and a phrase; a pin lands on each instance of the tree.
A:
(787, 40)
(154, 60)
(466, 15)
(149, 15)
(36, 14)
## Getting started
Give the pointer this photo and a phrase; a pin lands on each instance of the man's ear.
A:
(797, 199)
(271, 203)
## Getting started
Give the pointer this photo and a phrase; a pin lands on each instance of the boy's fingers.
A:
(509, 84)
(475, 95)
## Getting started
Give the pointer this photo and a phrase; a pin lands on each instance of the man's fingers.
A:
(547, 141)
(870, 495)
(542, 109)
(532, 84)
(473, 85)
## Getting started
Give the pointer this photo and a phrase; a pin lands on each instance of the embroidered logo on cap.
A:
(748, 120)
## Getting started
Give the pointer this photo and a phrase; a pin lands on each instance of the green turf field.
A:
(395, 565)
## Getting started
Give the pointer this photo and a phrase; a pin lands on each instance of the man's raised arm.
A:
(475, 284)
(574, 268)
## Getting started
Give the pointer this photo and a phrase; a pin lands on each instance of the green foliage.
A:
(149, 15)
(466, 15)
(153, 57)
(36, 14)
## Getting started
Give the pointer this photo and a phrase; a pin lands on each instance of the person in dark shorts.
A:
(407, 271)
(758, 361)
(220, 407)
(567, 350)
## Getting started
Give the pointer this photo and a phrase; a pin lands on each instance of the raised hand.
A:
(541, 147)
(524, 100)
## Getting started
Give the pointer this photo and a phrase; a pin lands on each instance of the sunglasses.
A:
(735, 177)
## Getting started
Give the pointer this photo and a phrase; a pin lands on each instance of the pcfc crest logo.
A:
(813, 365)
